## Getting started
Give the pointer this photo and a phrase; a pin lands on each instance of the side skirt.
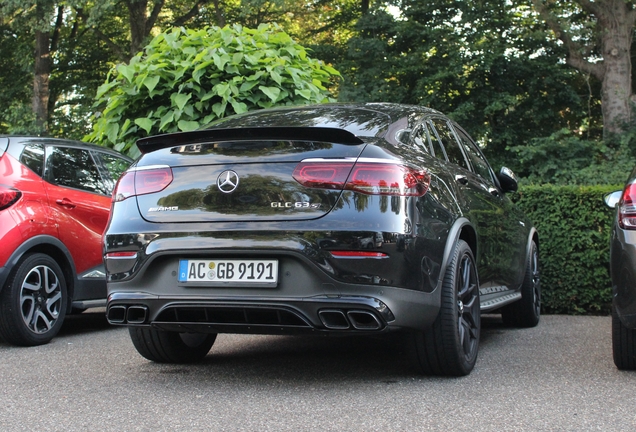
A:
(492, 298)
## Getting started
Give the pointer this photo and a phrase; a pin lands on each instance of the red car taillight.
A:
(627, 208)
(141, 182)
(8, 196)
(372, 178)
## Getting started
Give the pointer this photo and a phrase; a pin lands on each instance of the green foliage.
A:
(565, 158)
(187, 78)
(16, 81)
(574, 227)
(486, 63)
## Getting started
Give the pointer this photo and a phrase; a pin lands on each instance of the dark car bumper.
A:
(306, 299)
(397, 309)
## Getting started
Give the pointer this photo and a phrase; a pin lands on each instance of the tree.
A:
(598, 38)
(486, 63)
(187, 78)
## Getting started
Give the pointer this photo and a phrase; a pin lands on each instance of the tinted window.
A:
(421, 139)
(477, 159)
(453, 152)
(74, 168)
(33, 157)
(436, 146)
(113, 165)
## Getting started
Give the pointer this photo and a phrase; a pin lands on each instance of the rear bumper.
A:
(370, 310)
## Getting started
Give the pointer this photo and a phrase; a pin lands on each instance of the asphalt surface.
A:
(558, 376)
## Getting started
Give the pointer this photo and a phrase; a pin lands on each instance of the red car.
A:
(55, 198)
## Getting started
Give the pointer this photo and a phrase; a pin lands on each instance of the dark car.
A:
(55, 198)
(329, 219)
(622, 268)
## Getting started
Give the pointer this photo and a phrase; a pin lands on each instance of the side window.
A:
(112, 167)
(436, 145)
(33, 157)
(453, 151)
(74, 168)
(421, 138)
(479, 162)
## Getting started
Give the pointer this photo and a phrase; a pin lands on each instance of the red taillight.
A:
(8, 197)
(325, 175)
(627, 208)
(370, 178)
(142, 182)
(388, 179)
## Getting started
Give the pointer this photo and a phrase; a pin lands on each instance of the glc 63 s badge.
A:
(297, 204)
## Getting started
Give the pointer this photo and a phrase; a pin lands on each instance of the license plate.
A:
(229, 272)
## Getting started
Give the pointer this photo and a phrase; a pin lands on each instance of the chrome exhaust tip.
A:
(136, 314)
(334, 319)
(364, 320)
(116, 314)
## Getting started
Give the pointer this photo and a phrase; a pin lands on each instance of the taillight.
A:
(627, 208)
(8, 196)
(325, 175)
(372, 178)
(388, 179)
(142, 182)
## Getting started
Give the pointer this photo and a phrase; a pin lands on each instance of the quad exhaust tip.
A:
(336, 319)
(116, 314)
(121, 314)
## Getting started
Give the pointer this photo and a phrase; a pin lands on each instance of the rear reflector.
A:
(371, 178)
(8, 197)
(358, 254)
(121, 255)
(142, 182)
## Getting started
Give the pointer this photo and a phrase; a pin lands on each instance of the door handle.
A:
(462, 179)
(65, 202)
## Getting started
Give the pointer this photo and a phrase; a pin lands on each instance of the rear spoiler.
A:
(320, 134)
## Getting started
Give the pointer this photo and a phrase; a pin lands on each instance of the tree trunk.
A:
(616, 39)
(138, 21)
(614, 22)
(41, 80)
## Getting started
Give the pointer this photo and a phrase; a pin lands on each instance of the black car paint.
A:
(417, 233)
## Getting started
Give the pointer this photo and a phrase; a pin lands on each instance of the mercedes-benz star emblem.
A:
(228, 181)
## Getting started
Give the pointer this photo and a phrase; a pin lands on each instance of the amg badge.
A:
(162, 209)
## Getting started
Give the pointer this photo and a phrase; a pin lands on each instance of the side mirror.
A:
(508, 180)
(612, 198)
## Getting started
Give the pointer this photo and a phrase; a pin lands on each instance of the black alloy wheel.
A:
(33, 301)
(623, 344)
(527, 311)
(451, 345)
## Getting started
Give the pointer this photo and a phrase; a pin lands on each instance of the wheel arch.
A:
(462, 229)
(533, 235)
(50, 246)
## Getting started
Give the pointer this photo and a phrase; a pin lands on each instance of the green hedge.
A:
(574, 227)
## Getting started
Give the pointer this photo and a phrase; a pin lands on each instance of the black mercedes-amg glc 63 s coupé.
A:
(329, 219)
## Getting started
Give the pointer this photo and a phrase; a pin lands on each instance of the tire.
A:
(450, 346)
(33, 301)
(623, 344)
(171, 347)
(527, 311)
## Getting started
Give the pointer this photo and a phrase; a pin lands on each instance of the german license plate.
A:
(233, 272)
